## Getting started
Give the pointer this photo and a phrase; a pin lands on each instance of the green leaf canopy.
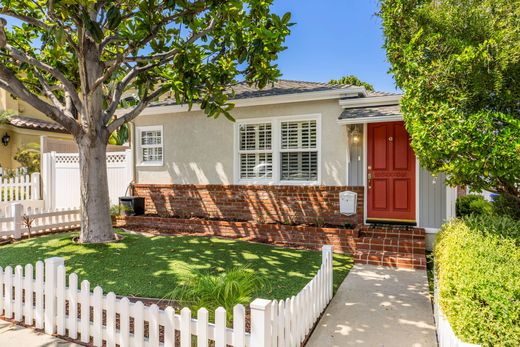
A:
(458, 62)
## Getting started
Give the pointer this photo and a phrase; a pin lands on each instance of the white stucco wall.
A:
(198, 150)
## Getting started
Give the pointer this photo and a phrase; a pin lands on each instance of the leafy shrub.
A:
(507, 205)
(473, 204)
(29, 157)
(118, 209)
(477, 265)
(212, 290)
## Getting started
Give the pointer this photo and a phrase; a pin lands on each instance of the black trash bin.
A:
(132, 205)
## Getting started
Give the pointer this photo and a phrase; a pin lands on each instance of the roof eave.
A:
(264, 100)
(386, 100)
(374, 119)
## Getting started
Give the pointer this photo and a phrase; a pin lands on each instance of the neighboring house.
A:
(26, 125)
(293, 148)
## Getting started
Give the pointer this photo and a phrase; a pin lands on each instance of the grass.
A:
(152, 266)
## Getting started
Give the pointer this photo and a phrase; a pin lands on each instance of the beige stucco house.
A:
(294, 136)
(26, 125)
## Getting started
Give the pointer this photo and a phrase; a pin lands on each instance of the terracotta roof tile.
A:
(35, 124)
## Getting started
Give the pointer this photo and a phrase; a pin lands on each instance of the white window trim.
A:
(139, 156)
(277, 149)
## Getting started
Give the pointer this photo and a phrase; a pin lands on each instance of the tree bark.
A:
(96, 224)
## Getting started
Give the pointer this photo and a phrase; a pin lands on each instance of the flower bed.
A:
(300, 236)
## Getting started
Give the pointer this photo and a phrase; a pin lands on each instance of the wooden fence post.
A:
(51, 279)
(16, 213)
(261, 323)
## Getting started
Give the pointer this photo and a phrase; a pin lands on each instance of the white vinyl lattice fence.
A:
(12, 222)
(42, 296)
(20, 188)
(61, 177)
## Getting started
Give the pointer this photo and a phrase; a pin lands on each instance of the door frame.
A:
(365, 173)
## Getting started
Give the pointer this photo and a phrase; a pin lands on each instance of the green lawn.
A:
(151, 266)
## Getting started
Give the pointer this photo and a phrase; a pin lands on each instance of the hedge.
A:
(477, 263)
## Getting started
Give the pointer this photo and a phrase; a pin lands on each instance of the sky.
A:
(333, 38)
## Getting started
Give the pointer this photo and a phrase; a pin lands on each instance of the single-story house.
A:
(25, 125)
(294, 147)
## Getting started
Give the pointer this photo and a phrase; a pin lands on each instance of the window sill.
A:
(279, 183)
(148, 164)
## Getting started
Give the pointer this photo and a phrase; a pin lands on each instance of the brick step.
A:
(391, 259)
(415, 233)
(391, 244)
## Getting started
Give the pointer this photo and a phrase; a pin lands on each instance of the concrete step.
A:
(391, 259)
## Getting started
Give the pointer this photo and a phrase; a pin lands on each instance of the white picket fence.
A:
(20, 171)
(48, 301)
(20, 188)
(12, 220)
(445, 334)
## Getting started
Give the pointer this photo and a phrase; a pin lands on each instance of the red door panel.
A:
(391, 173)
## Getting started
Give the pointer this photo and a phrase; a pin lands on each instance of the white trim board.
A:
(386, 100)
(375, 119)
(264, 100)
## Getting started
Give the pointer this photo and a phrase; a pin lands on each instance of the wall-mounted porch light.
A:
(5, 139)
(355, 135)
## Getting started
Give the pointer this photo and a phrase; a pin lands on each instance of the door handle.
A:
(369, 176)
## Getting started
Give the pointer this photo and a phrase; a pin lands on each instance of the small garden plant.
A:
(211, 290)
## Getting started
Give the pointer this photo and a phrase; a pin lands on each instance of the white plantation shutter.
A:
(299, 151)
(278, 150)
(256, 158)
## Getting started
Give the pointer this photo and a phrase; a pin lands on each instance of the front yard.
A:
(153, 266)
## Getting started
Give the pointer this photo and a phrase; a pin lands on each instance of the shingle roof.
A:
(281, 87)
(372, 111)
(35, 124)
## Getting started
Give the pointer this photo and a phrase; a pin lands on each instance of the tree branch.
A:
(134, 112)
(115, 64)
(12, 84)
(48, 92)
(163, 58)
(26, 19)
(68, 87)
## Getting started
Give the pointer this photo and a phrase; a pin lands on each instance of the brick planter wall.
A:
(263, 204)
(343, 240)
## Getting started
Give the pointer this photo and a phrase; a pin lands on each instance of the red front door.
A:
(390, 174)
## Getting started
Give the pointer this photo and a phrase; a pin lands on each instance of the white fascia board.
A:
(376, 119)
(371, 101)
(265, 100)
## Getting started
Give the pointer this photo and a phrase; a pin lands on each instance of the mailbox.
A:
(348, 203)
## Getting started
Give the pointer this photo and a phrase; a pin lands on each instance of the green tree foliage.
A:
(354, 80)
(84, 55)
(458, 62)
(29, 157)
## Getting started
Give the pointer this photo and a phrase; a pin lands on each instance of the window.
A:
(278, 150)
(150, 145)
(299, 151)
(255, 152)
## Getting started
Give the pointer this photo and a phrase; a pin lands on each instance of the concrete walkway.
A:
(378, 307)
(15, 335)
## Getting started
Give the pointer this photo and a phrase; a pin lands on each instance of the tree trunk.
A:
(96, 224)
